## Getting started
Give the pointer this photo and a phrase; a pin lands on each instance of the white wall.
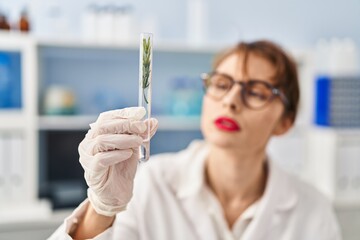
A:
(289, 22)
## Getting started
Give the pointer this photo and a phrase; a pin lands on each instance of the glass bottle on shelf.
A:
(4, 25)
(24, 24)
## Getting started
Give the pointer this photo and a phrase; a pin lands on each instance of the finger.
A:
(99, 163)
(118, 126)
(108, 142)
(151, 124)
(135, 113)
(106, 159)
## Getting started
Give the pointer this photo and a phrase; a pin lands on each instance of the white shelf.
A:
(166, 123)
(178, 123)
(12, 119)
(66, 122)
(160, 46)
(32, 225)
(17, 213)
(13, 39)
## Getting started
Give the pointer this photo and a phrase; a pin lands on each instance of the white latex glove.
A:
(109, 155)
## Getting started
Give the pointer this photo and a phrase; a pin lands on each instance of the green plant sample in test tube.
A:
(145, 77)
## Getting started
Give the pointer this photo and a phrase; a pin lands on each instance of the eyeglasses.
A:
(255, 94)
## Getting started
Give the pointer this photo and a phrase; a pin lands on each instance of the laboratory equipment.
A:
(145, 77)
(338, 101)
(59, 100)
(185, 97)
(24, 23)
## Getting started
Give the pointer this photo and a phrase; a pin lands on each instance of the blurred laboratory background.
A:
(63, 62)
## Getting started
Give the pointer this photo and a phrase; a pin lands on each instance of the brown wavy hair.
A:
(286, 74)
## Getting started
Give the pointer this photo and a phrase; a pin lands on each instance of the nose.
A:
(232, 99)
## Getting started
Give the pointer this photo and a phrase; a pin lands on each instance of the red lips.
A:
(227, 124)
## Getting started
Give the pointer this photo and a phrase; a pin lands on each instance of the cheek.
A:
(261, 124)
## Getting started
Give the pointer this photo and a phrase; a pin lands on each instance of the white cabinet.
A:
(335, 164)
(19, 135)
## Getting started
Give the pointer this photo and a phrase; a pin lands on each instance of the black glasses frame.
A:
(274, 90)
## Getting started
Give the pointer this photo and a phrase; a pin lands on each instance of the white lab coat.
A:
(169, 204)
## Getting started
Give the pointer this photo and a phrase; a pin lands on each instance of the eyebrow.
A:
(249, 79)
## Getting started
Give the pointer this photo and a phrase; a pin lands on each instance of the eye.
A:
(258, 91)
(221, 83)
(257, 94)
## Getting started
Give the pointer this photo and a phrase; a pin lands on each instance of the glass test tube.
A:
(145, 77)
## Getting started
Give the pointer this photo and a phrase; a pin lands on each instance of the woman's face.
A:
(254, 127)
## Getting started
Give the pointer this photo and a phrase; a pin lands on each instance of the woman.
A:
(222, 188)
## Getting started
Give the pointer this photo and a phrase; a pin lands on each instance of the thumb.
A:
(152, 126)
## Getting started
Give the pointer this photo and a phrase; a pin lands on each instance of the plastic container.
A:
(186, 97)
(10, 80)
(4, 81)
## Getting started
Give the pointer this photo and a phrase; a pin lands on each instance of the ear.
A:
(284, 124)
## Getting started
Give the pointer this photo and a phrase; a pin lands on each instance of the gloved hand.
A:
(109, 155)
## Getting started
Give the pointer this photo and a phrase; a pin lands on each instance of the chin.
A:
(221, 140)
(224, 143)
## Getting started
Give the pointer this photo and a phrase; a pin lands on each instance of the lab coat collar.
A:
(278, 199)
(192, 176)
(278, 192)
(279, 189)
(187, 182)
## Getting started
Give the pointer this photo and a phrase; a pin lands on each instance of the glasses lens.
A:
(257, 94)
(218, 85)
